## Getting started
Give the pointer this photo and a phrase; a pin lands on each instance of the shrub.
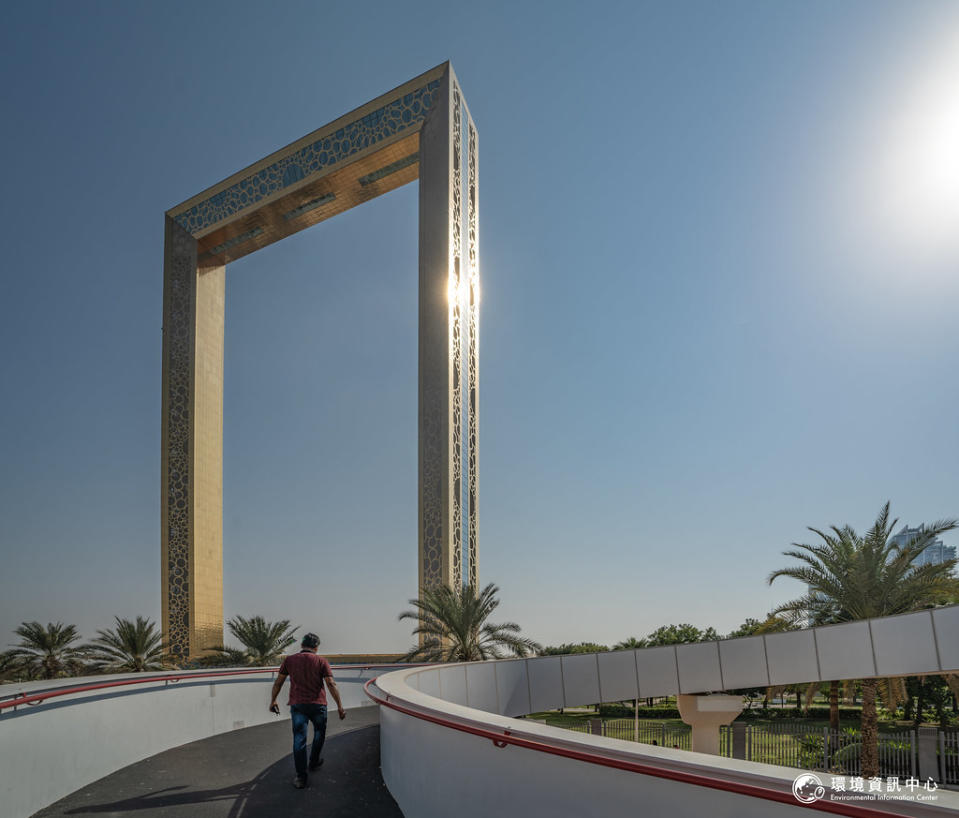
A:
(619, 710)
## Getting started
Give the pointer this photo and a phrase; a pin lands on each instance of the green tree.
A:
(9, 666)
(630, 644)
(851, 576)
(47, 652)
(130, 646)
(748, 628)
(928, 691)
(264, 642)
(222, 656)
(568, 648)
(681, 634)
(453, 628)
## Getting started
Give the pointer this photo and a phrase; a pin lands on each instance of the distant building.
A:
(936, 552)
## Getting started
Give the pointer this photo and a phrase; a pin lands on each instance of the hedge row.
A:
(625, 711)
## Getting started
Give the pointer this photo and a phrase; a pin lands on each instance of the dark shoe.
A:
(299, 782)
(315, 765)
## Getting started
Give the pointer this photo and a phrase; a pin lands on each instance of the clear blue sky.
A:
(720, 277)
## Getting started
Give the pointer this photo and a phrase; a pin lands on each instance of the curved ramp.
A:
(245, 774)
(441, 723)
(56, 737)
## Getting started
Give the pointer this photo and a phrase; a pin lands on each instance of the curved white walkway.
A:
(53, 747)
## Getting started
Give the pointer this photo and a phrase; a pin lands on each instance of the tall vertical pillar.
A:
(472, 379)
(448, 343)
(192, 448)
(440, 447)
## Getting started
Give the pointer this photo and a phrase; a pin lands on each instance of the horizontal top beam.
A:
(354, 158)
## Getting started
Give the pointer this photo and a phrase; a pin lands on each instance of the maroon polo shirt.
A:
(306, 671)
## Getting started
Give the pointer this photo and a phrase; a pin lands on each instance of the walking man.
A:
(308, 672)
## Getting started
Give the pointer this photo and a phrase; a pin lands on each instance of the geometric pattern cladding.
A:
(472, 356)
(462, 502)
(387, 121)
(180, 273)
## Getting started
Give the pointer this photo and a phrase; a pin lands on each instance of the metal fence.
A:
(578, 728)
(809, 747)
(797, 745)
(662, 733)
(949, 756)
(790, 745)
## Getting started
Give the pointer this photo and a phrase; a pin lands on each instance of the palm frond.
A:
(47, 652)
(264, 642)
(453, 627)
(130, 646)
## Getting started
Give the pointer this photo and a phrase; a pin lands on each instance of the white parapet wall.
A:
(449, 734)
(59, 745)
(915, 644)
(428, 767)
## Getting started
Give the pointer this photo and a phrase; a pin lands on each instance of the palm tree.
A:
(47, 652)
(264, 643)
(131, 646)
(222, 656)
(851, 576)
(9, 666)
(453, 627)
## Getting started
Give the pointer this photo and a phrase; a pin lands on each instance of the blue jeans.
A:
(302, 715)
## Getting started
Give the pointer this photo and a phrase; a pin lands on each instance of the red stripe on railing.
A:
(19, 699)
(504, 737)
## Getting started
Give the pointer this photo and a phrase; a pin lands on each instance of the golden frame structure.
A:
(422, 129)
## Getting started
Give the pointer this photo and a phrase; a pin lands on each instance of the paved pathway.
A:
(247, 774)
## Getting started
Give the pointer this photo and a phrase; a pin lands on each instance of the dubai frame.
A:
(418, 130)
